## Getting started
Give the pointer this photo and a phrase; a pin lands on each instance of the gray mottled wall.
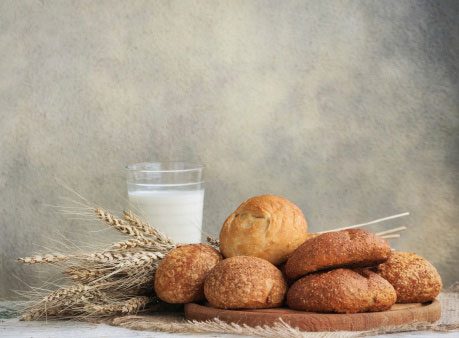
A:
(348, 108)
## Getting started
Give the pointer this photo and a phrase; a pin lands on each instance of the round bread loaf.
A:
(244, 282)
(415, 280)
(180, 275)
(347, 248)
(267, 226)
(341, 291)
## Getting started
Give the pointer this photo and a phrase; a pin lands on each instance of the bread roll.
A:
(341, 291)
(244, 282)
(415, 280)
(347, 248)
(267, 226)
(180, 275)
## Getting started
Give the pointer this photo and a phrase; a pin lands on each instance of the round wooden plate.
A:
(399, 314)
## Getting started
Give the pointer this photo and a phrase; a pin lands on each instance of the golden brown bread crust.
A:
(180, 275)
(267, 226)
(341, 291)
(415, 280)
(347, 248)
(244, 282)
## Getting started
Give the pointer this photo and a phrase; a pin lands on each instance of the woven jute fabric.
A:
(176, 323)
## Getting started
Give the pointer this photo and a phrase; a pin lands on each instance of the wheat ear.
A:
(136, 243)
(105, 256)
(146, 244)
(130, 306)
(63, 301)
(84, 275)
(119, 224)
(148, 230)
(66, 292)
(44, 259)
(135, 258)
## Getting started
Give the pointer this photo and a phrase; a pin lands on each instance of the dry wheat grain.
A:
(130, 306)
(48, 258)
(143, 243)
(148, 230)
(117, 223)
(83, 274)
(134, 304)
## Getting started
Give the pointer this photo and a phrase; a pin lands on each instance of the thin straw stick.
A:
(391, 236)
(368, 223)
(391, 231)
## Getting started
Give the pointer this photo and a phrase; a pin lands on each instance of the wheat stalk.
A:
(114, 281)
(117, 223)
(61, 302)
(129, 271)
(47, 259)
(100, 257)
(390, 231)
(135, 221)
(145, 235)
(130, 306)
(379, 220)
(148, 230)
(142, 243)
(134, 243)
(127, 257)
(135, 304)
(83, 274)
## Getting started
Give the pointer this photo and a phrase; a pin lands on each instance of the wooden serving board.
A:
(399, 314)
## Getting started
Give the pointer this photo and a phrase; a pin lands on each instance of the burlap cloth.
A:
(176, 323)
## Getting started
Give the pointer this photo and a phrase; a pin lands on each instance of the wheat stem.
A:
(391, 236)
(379, 220)
(386, 232)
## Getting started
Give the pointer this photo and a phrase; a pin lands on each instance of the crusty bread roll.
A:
(341, 291)
(180, 275)
(244, 282)
(415, 280)
(267, 226)
(347, 248)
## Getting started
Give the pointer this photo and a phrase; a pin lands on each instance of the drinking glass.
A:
(169, 196)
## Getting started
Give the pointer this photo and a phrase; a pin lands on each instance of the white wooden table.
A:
(15, 328)
(12, 327)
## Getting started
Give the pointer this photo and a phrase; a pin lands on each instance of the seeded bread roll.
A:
(180, 275)
(415, 280)
(341, 291)
(267, 226)
(347, 248)
(244, 282)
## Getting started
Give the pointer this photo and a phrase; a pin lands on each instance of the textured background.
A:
(348, 108)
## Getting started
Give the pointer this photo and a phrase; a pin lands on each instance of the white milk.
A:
(176, 213)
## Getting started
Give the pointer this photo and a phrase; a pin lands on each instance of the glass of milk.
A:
(169, 196)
